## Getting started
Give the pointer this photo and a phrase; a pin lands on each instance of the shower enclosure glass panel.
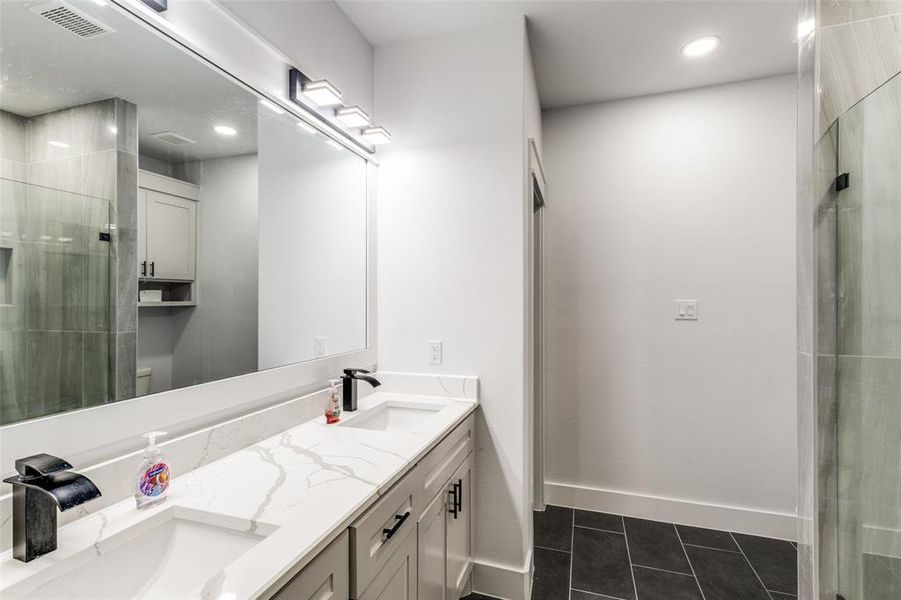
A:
(869, 348)
(54, 301)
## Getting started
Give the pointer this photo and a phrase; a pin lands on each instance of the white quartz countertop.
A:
(300, 488)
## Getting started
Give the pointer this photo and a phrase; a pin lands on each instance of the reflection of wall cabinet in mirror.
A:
(167, 238)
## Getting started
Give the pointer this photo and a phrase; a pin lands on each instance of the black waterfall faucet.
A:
(349, 384)
(44, 483)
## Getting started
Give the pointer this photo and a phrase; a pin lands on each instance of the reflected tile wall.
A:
(67, 287)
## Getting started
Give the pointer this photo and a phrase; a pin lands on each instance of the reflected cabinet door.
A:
(171, 224)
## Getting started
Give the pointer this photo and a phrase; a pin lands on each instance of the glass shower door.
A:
(868, 381)
(55, 308)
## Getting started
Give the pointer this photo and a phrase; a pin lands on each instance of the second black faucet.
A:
(349, 385)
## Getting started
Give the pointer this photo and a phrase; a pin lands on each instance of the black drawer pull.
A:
(458, 496)
(455, 500)
(152, 269)
(389, 533)
(144, 269)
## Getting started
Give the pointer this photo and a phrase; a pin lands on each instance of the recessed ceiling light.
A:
(352, 116)
(700, 46)
(56, 144)
(805, 28)
(113, 129)
(306, 127)
(322, 93)
(376, 135)
(273, 107)
(225, 130)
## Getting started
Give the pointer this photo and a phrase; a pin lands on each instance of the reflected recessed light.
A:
(273, 107)
(58, 144)
(113, 129)
(322, 93)
(334, 144)
(64, 239)
(306, 127)
(701, 46)
(376, 135)
(352, 116)
(805, 28)
(44, 238)
(225, 130)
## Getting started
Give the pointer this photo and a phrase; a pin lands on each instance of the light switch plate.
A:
(687, 309)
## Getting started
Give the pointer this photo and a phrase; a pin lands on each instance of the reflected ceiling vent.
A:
(71, 19)
(170, 137)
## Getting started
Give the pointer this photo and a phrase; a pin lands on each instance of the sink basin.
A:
(394, 416)
(170, 555)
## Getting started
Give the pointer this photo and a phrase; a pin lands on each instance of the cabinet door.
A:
(459, 529)
(431, 552)
(397, 579)
(327, 577)
(171, 231)
(142, 233)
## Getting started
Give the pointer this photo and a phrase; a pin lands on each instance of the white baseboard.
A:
(503, 581)
(684, 512)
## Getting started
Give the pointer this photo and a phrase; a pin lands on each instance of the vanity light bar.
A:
(352, 116)
(322, 93)
(376, 135)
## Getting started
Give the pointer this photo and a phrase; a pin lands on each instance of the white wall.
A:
(683, 195)
(450, 260)
(313, 245)
(318, 37)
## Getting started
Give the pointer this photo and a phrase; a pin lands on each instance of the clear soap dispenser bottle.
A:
(333, 404)
(153, 475)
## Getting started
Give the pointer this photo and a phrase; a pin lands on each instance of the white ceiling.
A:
(589, 51)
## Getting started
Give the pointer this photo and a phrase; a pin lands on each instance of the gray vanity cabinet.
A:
(432, 552)
(459, 530)
(397, 579)
(327, 577)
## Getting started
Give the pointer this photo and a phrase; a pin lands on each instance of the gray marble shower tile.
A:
(869, 315)
(13, 382)
(100, 125)
(63, 174)
(54, 372)
(99, 175)
(836, 12)
(12, 137)
(127, 127)
(827, 473)
(882, 577)
(96, 369)
(55, 287)
(13, 169)
(65, 127)
(126, 370)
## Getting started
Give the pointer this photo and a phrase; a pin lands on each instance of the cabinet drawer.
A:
(325, 578)
(434, 471)
(397, 579)
(379, 532)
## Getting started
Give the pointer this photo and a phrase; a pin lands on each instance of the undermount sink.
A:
(394, 416)
(170, 555)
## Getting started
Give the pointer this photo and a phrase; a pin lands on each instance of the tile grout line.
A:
(662, 570)
(593, 594)
(598, 529)
(572, 543)
(750, 565)
(691, 566)
(709, 547)
(629, 557)
(552, 549)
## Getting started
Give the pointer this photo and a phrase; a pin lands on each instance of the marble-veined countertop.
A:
(300, 488)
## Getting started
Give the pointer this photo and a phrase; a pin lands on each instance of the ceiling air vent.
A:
(173, 138)
(71, 19)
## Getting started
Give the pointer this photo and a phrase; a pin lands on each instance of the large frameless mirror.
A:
(160, 226)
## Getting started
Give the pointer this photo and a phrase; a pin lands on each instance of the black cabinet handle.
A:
(389, 533)
(152, 268)
(458, 496)
(455, 502)
(144, 269)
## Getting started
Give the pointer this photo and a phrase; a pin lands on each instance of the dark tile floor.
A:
(583, 555)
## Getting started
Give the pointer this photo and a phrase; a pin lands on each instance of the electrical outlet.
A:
(435, 352)
(320, 345)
